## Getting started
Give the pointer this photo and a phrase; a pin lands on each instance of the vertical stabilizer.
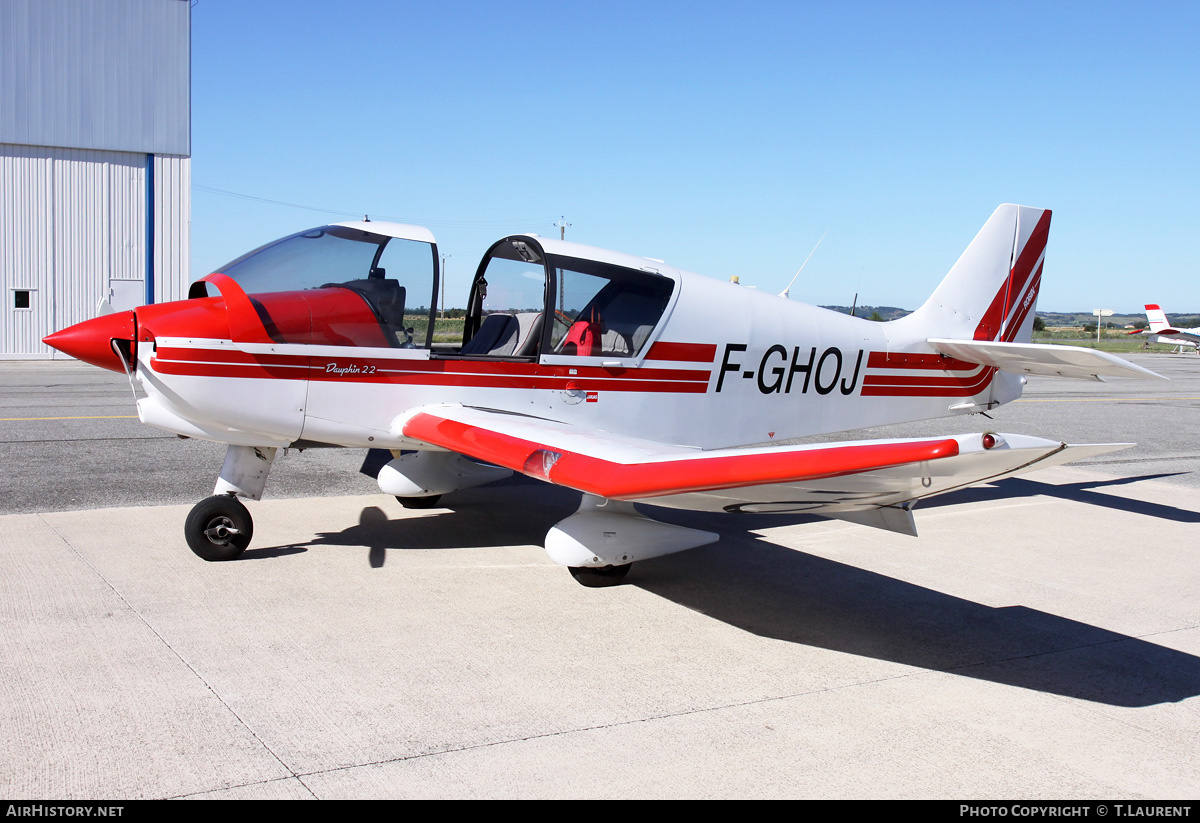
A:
(991, 292)
(1158, 320)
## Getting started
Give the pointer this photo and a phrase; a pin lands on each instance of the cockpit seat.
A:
(584, 336)
(385, 297)
(507, 335)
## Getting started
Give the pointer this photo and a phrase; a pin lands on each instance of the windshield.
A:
(395, 276)
(330, 254)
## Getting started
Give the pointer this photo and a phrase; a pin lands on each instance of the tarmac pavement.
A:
(1040, 639)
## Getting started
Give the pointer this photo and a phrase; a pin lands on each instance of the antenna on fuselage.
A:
(784, 293)
(855, 304)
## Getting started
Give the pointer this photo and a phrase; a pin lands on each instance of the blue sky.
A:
(723, 138)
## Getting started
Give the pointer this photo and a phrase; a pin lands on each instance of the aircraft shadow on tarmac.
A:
(512, 513)
(1083, 492)
(753, 584)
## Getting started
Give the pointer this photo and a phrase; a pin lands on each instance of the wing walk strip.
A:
(673, 473)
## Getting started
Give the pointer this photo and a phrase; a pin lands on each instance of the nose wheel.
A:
(218, 528)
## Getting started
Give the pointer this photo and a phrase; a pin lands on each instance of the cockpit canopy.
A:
(392, 267)
(375, 284)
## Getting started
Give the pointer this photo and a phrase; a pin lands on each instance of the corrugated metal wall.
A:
(73, 231)
(172, 227)
(26, 248)
(113, 75)
(89, 92)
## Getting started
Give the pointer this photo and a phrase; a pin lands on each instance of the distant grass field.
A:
(1115, 342)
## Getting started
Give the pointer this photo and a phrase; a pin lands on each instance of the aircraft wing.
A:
(1178, 335)
(1042, 359)
(874, 482)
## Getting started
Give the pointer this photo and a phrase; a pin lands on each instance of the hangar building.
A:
(95, 175)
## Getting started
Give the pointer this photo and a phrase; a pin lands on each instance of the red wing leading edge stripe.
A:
(632, 481)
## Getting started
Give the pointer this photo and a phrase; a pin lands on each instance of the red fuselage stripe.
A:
(903, 360)
(683, 352)
(231, 363)
(929, 388)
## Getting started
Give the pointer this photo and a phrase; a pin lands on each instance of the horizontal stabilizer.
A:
(1042, 359)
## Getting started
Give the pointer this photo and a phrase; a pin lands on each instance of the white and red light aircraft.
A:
(614, 375)
(1161, 330)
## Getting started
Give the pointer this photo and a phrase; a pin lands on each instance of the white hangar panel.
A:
(99, 75)
(172, 227)
(26, 250)
(97, 217)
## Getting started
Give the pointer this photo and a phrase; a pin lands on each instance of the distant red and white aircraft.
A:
(1161, 331)
(617, 376)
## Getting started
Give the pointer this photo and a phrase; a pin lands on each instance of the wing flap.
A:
(900, 486)
(622, 468)
(1042, 359)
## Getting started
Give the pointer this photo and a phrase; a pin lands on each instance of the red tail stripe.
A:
(1014, 325)
(1011, 288)
(1027, 260)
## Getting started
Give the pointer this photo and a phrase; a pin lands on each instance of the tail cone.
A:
(91, 340)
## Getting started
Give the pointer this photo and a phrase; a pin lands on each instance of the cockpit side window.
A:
(605, 311)
(410, 264)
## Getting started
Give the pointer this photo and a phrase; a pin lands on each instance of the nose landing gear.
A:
(219, 528)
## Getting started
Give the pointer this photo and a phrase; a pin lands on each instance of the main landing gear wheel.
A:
(419, 502)
(218, 528)
(596, 577)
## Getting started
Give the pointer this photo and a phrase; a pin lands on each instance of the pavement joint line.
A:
(246, 785)
(166, 644)
(917, 672)
(1098, 462)
(80, 417)
(1100, 399)
(98, 439)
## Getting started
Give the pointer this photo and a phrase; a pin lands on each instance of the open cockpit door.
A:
(556, 302)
